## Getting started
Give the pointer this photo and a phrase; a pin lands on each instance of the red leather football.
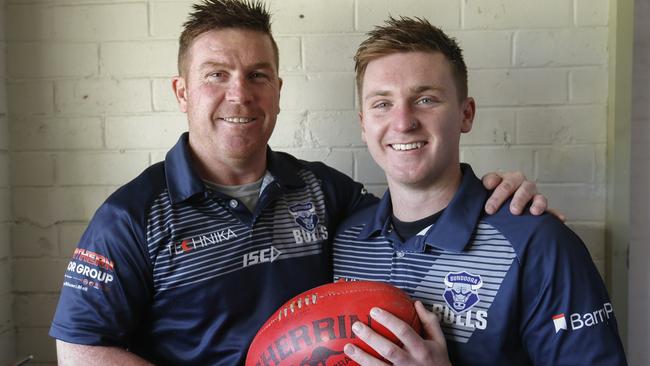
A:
(312, 328)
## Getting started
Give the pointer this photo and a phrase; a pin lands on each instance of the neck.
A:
(415, 202)
(229, 172)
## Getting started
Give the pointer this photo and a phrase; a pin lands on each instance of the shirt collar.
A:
(183, 182)
(454, 228)
(282, 167)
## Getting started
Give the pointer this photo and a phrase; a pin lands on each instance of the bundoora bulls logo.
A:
(461, 290)
(305, 215)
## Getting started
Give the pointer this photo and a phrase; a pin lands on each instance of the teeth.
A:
(237, 119)
(404, 147)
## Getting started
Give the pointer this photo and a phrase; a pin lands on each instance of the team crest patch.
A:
(461, 290)
(305, 215)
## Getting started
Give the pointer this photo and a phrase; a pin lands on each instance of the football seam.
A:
(278, 318)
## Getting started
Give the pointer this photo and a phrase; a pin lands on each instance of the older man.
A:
(183, 264)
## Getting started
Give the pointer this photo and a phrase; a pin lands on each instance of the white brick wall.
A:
(89, 90)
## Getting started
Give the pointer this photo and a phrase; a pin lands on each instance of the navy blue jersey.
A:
(181, 274)
(511, 290)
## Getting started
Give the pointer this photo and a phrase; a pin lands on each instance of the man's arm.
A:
(566, 314)
(417, 351)
(104, 308)
(77, 354)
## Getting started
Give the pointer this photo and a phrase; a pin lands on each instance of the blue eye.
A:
(425, 100)
(381, 105)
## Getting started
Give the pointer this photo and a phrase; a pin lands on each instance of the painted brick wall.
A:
(639, 274)
(7, 326)
(90, 105)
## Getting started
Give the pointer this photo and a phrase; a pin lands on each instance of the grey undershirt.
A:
(248, 193)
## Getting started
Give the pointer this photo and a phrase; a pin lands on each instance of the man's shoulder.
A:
(137, 195)
(358, 221)
(290, 162)
(526, 229)
(343, 195)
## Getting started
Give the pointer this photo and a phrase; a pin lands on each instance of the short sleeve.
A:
(107, 283)
(567, 316)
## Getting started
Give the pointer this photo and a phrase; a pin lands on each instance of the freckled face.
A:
(231, 94)
(411, 117)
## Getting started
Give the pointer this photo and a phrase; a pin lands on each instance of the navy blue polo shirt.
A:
(181, 274)
(511, 290)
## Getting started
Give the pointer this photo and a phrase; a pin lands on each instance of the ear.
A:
(469, 111)
(279, 92)
(179, 85)
(363, 127)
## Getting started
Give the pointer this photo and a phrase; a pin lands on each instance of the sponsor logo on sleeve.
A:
(89, 270)
(560, 322)
(580, 321)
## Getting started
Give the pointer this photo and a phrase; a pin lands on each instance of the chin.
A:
(405, 179)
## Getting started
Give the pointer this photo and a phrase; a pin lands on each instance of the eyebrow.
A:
(423, 88)
(259, 65)
(415, 90)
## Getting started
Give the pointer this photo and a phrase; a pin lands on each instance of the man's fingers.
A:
(491, 180)
(430, 323)
(524, 194)
(505, 189)
(403, 331)
(539, 205)
(387, 349)
(360, 356)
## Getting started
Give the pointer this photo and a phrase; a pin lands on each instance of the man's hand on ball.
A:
(429, 351)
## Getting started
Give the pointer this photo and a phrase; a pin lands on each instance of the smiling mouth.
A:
(407, 147)
(238, 120)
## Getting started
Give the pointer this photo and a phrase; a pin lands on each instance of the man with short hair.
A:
(508, 290)
(183, 264)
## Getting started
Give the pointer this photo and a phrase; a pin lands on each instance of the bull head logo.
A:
(305, 215)
(461, 290)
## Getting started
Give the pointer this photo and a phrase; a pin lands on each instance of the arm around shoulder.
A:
(79, 354)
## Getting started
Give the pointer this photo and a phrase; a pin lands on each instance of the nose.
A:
(404, 120)
(239, 91)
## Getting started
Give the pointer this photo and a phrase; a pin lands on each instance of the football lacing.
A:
(291, 308)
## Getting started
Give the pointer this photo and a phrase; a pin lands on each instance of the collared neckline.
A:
(184, 182)
(453, 230)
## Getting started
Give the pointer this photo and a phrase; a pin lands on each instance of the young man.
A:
(509, 290)
(185, 263)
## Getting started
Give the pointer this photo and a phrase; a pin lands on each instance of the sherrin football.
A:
(312, 328)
